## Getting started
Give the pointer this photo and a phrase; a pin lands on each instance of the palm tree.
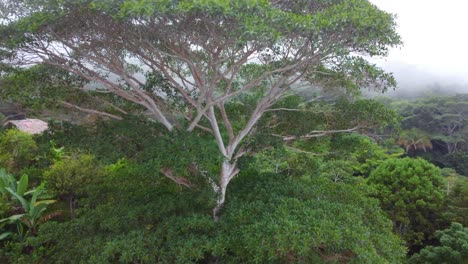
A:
(415, 139)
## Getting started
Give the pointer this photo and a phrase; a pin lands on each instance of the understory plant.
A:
(28, 207)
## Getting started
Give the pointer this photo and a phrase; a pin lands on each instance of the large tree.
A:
(205, 55)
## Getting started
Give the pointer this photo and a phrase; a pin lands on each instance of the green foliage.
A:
(271, 24)
(33, 211)
(436, 125)
(17, 150)
(338, 157)
(5, 207)
(69, 175)
(283, 160)
(414, 140)
(6, 180)
(108, 141)
(338, 171)
(351, 75)
(281, 220)
(457, 161)
(271, 21)
(457, 201)
(134, 216)
(21, 212)
(453, 248)
(365, 113)
(443, 118)
(364, 153)
(113, 140)
(38, 87)
(48, 91)
(303, 117)
(207, 41)
(411, 192)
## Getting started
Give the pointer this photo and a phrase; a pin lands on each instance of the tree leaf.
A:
(22, 185)
(5, 235)
(23, 202)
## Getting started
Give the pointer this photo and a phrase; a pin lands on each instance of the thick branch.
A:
(217, 132)
(226, 121)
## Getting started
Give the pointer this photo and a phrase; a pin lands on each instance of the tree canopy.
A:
(205, 56)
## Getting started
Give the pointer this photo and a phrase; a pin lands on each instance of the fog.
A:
(417, 80)
(434, 55)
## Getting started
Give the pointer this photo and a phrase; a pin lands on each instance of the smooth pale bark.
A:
(228, 171)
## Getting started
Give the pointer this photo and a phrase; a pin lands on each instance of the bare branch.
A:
(317, 133)
(226, 121)
(177, 179)
(288, 110)
(91, 111)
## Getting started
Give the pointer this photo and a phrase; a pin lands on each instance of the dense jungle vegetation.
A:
(94, 190)
(234, 133)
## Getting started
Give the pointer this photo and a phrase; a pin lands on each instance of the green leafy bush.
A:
(69, 176)
(411, 192)
(17, 150)
(453, 248)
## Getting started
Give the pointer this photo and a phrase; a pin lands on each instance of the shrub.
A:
(69, 176)
(411, 192)
(453, 248)
(17, 150)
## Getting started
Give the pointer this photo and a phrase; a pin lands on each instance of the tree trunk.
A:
(71, 204)
(228, 171)
(450, 148)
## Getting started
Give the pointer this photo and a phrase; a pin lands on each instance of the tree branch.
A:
(91, 111)
(317, 133)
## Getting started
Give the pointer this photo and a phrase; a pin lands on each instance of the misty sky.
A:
(435, 36)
